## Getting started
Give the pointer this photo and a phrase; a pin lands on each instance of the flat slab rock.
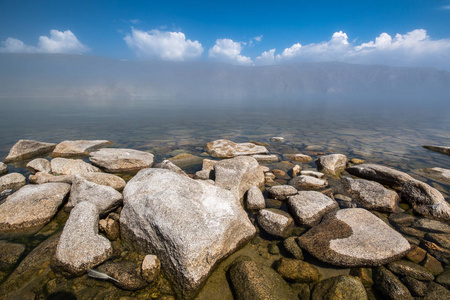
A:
(12, 181)
(190, 225)
(32, 206)
(27, 149)
(440, 149)
(116, 160)
(308, 207)
(304, 182)
(228, 149)
(78, 147)
(381, 174)
(354, 237)
(65, 166)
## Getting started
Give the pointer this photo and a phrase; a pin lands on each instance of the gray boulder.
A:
(238, 175)
(255, 199)
(276, 222)
(12, 181)
(281, 192)
(381, 174)
(426, 200)
(65, 166)
(80, 246)
(332, 164)
(354, 237)
(104, 197)
(371, 195)
(339, 288)
(228, 149)
(188, 224)
(440, 149)
(78, 147)
(3, 168)
(308, 207)
(31, 207)
(121, 160)
(27, 149)
(39, 165)
(304, 182)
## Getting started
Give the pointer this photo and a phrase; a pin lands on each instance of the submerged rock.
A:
(381, 174)
(150, 268)
(265, 158)
(115, 160)
(438, 174)
(12, 181)
(127, 274)
(303, 158)
(354, 237)
(80, 246)
(308, 207)
(65, 166)
(440, 149)
(276, 222)
(431, 225)
(31, 207)
(3, 168)
(188, 224)
(277, 139)
(27, 149)
(426, 200)
(10, 254)
(39, 165)
(332, 164)
(78, 147)
(304, 182)
(407, 268)
(312, 174)
(297, 270)
(228, 149)
(339, 288)
(389, 285)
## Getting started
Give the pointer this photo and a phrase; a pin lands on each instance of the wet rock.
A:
(437, 292)
(442, 254)
(389, 285)
(31, 207)
(426, 200)
(339, 288)
(313, 174)
(431, 225)
(104, 197)
(302, 158)
(3, 168)
(127, 273)
(238, 175)
(308, 207)
(276, 222)
(304, 182)
(228, 149)
(440, 149)
(64, 166)
(265, 158)
(291, 246)
(277, 139)
(281, 192)
(27, 149)
(296, 170)
(12, 181)
(444, 279)
(371, 195)
(117, 160)
(364, 275)
(407, 268)
(78, 147)
(401, 219)
(41, 177)
(110, 227)
(10, 254)
(332, 164)
(432, 265)
(416, 287)
(356, 161)
(255, 199)
(354, 237)
(297, 270)
(440, 239)
(273, 249)
(167, 164)
(280, 174)
(302, 289)
(186, 160)
(416, 254)
(80, 246)
(150, 268)
(253, 281)
(39, 165)
(381, 174)
(188, 224)
(438, 174)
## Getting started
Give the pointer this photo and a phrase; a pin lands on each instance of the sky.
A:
(413, 33)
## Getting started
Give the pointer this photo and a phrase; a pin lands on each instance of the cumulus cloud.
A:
(414, 48)
(58, 42)
(227, 50)
(163, 45)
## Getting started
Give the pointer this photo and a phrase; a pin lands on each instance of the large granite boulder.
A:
(12, 181)
(65, 166)
(190, 225)
(381, 174)
(27, 149)
(3, 168)
(332, 164)
(39, 165)
(80, 246)
(308, 207)
(354, 237)
(253, 281)
(78, 147)
(31, 207)
(115, 160)
(229, 149)
(371, 195)
(304, 182)
(426, 200)
(440, 149)
(238, 174)
(339, 288)
(104, 197)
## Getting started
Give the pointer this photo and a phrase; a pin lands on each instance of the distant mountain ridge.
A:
(46, 75)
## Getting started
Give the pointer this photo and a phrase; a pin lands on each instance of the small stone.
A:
(302, 158)
(291, 246)
(438, 252)
(308, 207)
(304, 182)
(356, 161)
(411, 231)
(265, 158)
(296, 170)
(39, 165)
(273, 249)
(280, 174)
(401, 219)
(203, 174)
(432, 265)
(208, 164)
(416, 287)
(281, 192)
(416, 254)
(297, 270)
(78, 147)
(116, 160)
(339, 288)
(65, 166)
(407, 268)
(150, 268)
(12, 181)
(255, 199)
(110, 227)
(3, 168)
(277, 139)
(27, 149)
(127, 274)
(333, 164)
(313, 174)
(269, 176)
(186, 160)
(389, 285)
(276, 222)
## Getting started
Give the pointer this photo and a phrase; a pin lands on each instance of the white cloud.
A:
(227, 50)
(58, 42)
(163, 45)
(258, 38)
(446, 7)
(414, 48)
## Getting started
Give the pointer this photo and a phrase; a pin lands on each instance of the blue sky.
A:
(238, 32)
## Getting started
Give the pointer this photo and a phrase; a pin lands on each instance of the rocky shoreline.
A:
(160, 232)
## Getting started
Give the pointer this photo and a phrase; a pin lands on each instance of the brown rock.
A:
(27, 149)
